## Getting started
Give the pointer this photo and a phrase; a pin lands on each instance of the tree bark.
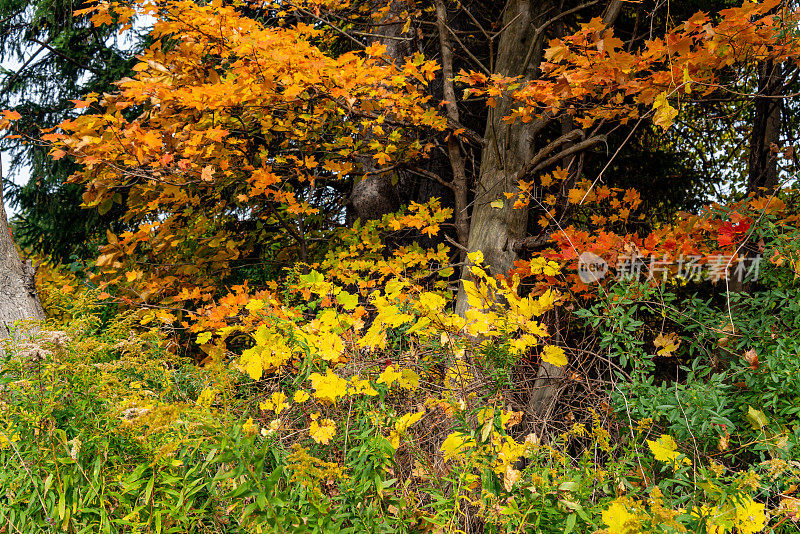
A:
(509, 151)
(18, 299)
(493, 230)
(510, 154)
(763, 166)
(457, 164)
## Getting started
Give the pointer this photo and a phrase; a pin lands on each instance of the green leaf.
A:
(105, 207)
(312, 278)
(47, 483)
(570, 524)
(62, 505)
(570, 504)
(758, 420)
(347, 300)
(149, 490)
(569, 485)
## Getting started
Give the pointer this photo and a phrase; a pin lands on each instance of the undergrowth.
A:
(676, 411)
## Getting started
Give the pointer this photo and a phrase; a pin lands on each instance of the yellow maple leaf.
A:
(476, 298)
(276, 403)
(408, 380)
(750, 516)
(255, 305)
(455, 444)
(402, 425)
(389, 376)
(665, 113)
(359, 386)
(554, 356)
(322, 431)
(668, 343)
(330, 347)
(329, 387)
(251, 360)
(476, 258)
(619, 519)
(382, 158)
(665, 449)
(431, 301)
(550, 269)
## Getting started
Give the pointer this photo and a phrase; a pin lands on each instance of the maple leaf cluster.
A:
(228, 124)
(594, 77)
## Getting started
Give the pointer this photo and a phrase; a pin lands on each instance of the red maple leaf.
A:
(730, 233)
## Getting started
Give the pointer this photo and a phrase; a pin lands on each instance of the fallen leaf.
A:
(667, 343)
(752, 359)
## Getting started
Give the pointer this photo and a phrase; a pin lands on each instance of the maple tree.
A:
(221, 156)
(312, 108)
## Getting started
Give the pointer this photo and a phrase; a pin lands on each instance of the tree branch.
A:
(459, 183)
(470, 54)
(543, 27)
(579, 147)
(533, 164)
(332, 25)
(65, 56)
(472, 135)
(612, 12)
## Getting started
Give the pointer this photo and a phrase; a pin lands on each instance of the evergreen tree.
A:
(60, 56)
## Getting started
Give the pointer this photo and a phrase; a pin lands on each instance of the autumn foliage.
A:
(225, 117)
(267, 363)
(598, 78)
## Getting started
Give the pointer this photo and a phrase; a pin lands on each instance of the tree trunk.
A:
(763, 167)
(508, 155)
(493, 230)
(509, 152)
(18, 299)
(457, 164)
(548, 378)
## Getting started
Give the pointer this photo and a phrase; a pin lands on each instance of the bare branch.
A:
(574, 149)
(545, 25)
(459, 183)
(332, 26)
(466, 50)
